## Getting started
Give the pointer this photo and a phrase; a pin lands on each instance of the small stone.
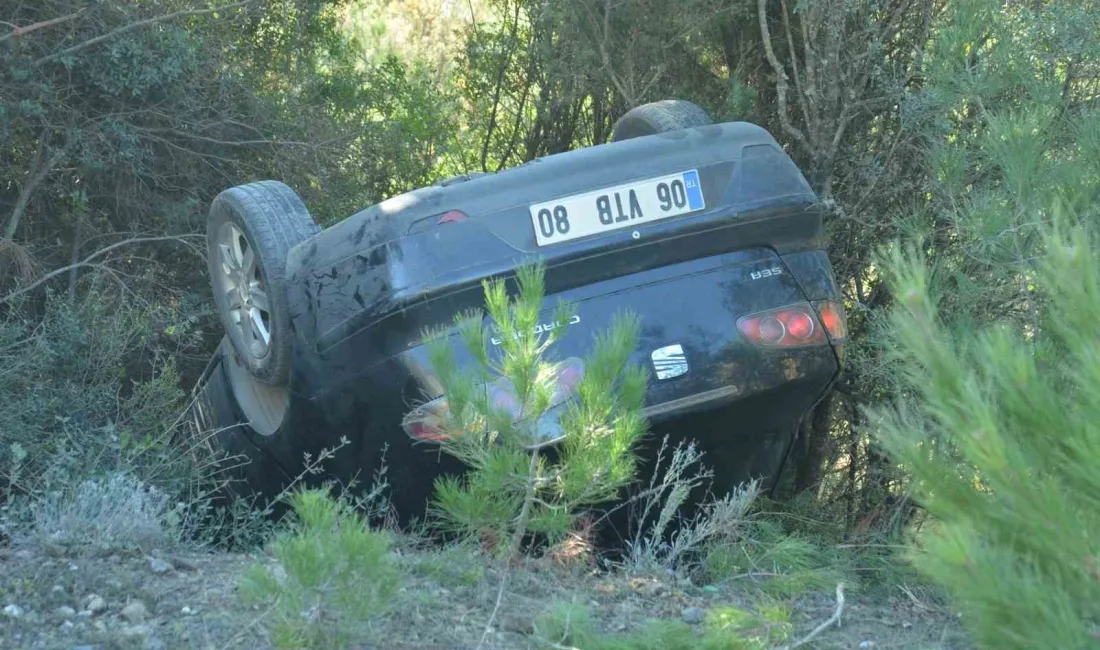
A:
(693, 615)
(66, 626)
(114, 559)
(95, 605)
(186, 611)
(906, 625)
(58, 589)
(65, 610)
(866, 644)
(13, 611)
(134, 611)
(73, 567)
(159, 566)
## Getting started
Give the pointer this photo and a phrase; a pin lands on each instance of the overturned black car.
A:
(708, 232)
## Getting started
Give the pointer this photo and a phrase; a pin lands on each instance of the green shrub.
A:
(334, 575)
(1000, 432)
(90, 386)
(515, 485)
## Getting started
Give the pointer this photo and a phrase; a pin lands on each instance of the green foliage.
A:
(93, 389)
(514, 485)
(725, 628)
(334, 575)
(1002, 440)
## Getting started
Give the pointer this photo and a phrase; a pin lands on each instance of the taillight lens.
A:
(833, 319)
(427, 422)
(796, 325)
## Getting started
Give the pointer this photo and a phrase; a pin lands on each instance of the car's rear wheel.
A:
(249, 231)
(659, 117)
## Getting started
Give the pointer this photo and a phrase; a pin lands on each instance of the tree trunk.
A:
(812, 443)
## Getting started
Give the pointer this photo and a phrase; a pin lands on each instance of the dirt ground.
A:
(189, 600)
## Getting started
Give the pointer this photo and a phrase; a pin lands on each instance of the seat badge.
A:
(670, 361)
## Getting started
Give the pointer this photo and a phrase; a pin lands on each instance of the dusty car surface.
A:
(708, 232)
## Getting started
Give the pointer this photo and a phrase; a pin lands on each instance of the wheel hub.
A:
(241, 283)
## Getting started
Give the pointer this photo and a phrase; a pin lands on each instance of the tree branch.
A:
(780, 78)
(19, 32)
(38, 172)
(89, 261)
(136, 25)
(497, 92)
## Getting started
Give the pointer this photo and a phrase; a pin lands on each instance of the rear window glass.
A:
(767, 173)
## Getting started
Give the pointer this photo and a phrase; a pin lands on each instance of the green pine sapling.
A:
(530, 473)
(1000, 433)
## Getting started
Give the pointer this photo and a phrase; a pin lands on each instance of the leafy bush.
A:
(334, 574)
(515, 483)
(1001, 436)
(92, 389)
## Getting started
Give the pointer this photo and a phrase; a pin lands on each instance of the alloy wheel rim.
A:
(242, 287)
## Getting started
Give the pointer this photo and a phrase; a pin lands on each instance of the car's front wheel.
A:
(249, 231)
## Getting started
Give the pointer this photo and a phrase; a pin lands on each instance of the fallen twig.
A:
(496, 608)
(835, 618)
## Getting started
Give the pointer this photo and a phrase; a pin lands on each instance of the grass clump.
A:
(666, 540)
(570, 625)
(103, 515)
(780, 563)
(456, 565)
(334, 574)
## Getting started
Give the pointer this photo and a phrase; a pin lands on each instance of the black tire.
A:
(659, 117)
(272, 219)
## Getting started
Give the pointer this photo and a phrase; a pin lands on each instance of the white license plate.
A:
(613, 208)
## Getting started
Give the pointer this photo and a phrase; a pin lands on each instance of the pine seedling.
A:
(334, 575)
(538, 453)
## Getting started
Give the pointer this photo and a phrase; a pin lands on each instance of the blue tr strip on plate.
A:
(694, 192)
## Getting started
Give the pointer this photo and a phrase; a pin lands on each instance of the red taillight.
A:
(801, 326)
(785, 327)
(833, 319)
(428, 421)
(451, 217)
(796, 325)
